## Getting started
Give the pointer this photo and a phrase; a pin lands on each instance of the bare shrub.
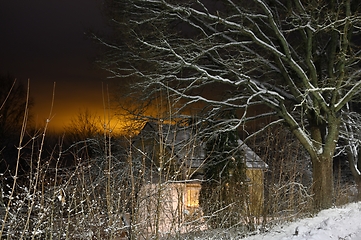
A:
(147, 187)
(289, 177)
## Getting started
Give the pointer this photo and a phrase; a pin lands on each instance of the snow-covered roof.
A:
(187, 148)
(252, 159)
(179, 140)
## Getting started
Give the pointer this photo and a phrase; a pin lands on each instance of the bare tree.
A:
(12, 103)
(299, 58)
(84, 125)
(13, 109)
(350, 138)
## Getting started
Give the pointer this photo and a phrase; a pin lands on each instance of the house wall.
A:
(173, 208)
(167, 209)
(256, 191)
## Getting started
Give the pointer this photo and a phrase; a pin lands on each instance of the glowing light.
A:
(192, 198)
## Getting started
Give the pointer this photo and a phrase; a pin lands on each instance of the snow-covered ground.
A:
(342, 223)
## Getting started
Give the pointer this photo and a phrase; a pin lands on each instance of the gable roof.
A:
(179, 140)
(186, 148)
(252, 159)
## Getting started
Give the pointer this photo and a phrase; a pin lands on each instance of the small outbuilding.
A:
(175, 159)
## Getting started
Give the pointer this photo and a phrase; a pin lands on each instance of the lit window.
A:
(192, 197)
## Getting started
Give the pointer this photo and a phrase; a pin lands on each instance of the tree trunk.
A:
(354, 159)
(322, 182)
(358, 184)
(357, 178)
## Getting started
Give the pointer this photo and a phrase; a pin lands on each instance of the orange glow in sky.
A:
(46, 42)
(69, 100)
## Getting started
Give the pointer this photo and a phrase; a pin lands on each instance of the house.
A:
(172, 146)
(175, 159)
(255, 169)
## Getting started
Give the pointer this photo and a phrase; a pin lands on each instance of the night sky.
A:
(46, 42)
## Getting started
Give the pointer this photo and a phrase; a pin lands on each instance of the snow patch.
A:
(335, 223)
